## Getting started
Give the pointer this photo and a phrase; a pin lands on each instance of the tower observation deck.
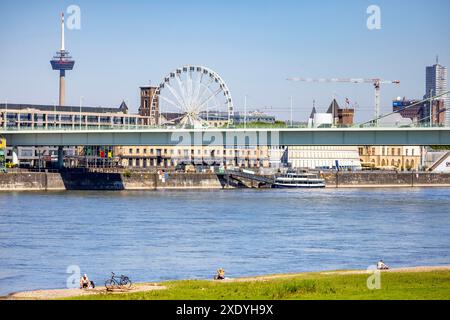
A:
(62, 61)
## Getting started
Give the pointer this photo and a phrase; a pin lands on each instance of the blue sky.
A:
(253, 45)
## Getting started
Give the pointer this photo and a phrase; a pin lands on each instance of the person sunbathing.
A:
(382, 266)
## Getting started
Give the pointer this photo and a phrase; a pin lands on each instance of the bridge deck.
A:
(240, 137)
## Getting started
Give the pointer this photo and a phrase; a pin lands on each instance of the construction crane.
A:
(376, 83)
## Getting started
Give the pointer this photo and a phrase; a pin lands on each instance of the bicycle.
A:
(122, 282)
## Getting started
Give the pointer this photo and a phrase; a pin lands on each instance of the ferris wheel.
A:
(193, 96)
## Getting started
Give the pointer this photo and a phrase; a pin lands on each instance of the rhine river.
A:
(157, 236)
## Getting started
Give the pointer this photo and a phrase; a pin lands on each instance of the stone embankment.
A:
(86, 180)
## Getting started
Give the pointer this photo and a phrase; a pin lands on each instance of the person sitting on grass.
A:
(84, 282)
(382, 266)
(220, 274)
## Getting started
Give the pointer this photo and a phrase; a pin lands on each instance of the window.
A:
(130, 151)
(145, 151)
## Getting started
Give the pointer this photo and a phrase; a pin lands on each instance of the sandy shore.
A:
(68, 293)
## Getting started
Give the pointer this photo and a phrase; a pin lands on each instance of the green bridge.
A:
(355, 136)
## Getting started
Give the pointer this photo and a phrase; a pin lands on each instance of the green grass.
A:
(255, 125)
(440, 148)
(404, 286)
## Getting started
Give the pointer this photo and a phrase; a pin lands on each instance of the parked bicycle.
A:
(116, 282)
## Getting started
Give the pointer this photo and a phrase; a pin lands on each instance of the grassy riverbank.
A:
(406, 285)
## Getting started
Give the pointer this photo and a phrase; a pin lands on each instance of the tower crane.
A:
(375, 82)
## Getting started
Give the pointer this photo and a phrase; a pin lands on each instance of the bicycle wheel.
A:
(126, 283)
(110, 284)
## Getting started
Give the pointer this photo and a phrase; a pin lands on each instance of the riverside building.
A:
(169, 156)
(26, 116)
(335, 115)
(419, 112)
(391, 157)
(35, 117)
(324, 157)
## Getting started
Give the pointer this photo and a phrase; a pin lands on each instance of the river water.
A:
(155, 236)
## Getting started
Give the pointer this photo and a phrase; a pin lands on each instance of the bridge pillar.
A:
(60, 157)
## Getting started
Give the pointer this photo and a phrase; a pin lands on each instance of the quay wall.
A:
(31, 181)
(80, 180)
(386, 179)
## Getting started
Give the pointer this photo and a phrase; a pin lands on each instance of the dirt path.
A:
(410, 269)
(68, 293)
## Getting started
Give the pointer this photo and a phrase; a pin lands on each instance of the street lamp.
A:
(291, 112)
(81, 103)
(5, 120)
(54, 113)
(245, 112)
(431, 107)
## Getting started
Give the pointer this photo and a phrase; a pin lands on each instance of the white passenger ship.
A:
(299, 180)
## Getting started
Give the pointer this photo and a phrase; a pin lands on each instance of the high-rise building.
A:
(436, 84)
